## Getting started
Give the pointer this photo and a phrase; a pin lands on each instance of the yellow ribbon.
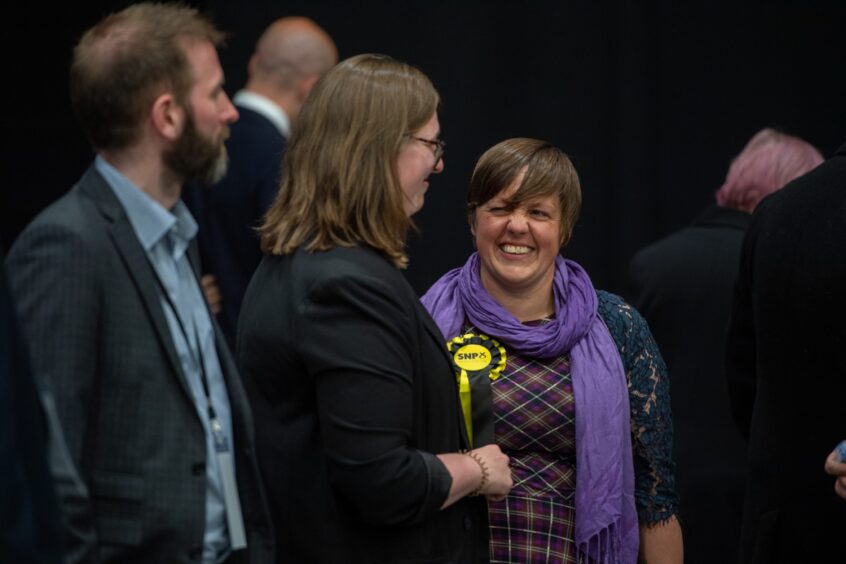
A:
(476, 355)
(466, 402)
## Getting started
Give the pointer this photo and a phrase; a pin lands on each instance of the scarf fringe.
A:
(603, 547)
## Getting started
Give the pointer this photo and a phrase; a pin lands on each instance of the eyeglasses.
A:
(437, 145)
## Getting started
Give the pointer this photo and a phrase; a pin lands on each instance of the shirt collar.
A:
(266, 107)
(149, 219)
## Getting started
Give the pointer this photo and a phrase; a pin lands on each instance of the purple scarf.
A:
(606, 519)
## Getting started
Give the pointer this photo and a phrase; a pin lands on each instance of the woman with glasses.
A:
(359, 427)
(567, 380)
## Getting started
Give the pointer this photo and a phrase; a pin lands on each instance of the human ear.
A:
(167, 116)
(471, 219)
(306, 85)
(252, 65)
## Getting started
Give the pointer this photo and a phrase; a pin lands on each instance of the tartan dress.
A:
(534, 424)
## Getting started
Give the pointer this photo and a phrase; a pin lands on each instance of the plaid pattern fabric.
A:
(534, 415)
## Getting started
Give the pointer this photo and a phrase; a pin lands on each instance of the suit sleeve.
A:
(356, 340)
(28, 507)
(740, 344)
(52, 276)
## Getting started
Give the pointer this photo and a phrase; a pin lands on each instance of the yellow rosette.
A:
(478, 360)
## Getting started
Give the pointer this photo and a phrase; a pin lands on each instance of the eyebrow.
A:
(219, 86)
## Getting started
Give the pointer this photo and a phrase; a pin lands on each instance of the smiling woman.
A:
(577, 396)
(517, 243)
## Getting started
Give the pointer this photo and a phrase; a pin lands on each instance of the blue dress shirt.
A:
(165, 236)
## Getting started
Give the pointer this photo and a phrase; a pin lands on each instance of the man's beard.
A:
(195, 157)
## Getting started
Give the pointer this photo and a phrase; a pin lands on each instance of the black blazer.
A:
(30, 530)
(229, 212)
(354, 395)
(786, 365)
(100, 342)
(683, 286)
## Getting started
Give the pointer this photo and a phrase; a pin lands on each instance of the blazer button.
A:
(198, 469)
(195, 552)
(260, 528)
(468, 523)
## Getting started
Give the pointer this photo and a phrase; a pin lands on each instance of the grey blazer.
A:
(89, 305)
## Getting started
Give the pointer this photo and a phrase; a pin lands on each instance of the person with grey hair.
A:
(289, 58)
(156, 419)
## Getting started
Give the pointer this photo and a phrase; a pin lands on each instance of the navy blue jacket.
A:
(229, 212)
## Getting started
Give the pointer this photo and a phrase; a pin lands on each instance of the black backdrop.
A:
(650, 99)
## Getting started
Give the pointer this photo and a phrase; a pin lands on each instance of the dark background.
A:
(650, 99)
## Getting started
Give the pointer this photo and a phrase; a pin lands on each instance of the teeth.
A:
(515, 249)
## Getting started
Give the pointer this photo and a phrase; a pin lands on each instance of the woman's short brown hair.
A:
(339, 178)
(548, 172)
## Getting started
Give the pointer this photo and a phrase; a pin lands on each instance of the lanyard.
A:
(214, 422)
(226, 464)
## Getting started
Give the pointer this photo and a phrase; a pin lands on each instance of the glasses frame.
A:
(438, 146)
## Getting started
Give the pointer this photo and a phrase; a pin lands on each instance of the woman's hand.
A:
(499, 480)
(467, 472)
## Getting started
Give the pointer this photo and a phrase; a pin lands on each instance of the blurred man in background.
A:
(290, 57)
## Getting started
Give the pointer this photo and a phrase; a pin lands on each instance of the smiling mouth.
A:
(515, 249)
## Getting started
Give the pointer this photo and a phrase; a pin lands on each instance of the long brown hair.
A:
(339, 181)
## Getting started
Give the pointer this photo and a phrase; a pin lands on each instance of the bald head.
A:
(290, 56)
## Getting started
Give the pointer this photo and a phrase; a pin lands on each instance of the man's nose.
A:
(229, 112)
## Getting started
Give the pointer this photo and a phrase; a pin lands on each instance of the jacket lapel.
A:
(194, 261)
(435, 334)
(136, 262)
(241, 415)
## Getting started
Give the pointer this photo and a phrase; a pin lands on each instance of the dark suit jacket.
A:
(354, 394)
(229, 212)
(786, 364)
(683, 287)
(100, 342)
(30, 531)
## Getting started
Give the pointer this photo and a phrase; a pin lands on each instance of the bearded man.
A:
(151, 404)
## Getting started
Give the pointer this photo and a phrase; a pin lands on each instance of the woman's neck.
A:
(527, 304)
